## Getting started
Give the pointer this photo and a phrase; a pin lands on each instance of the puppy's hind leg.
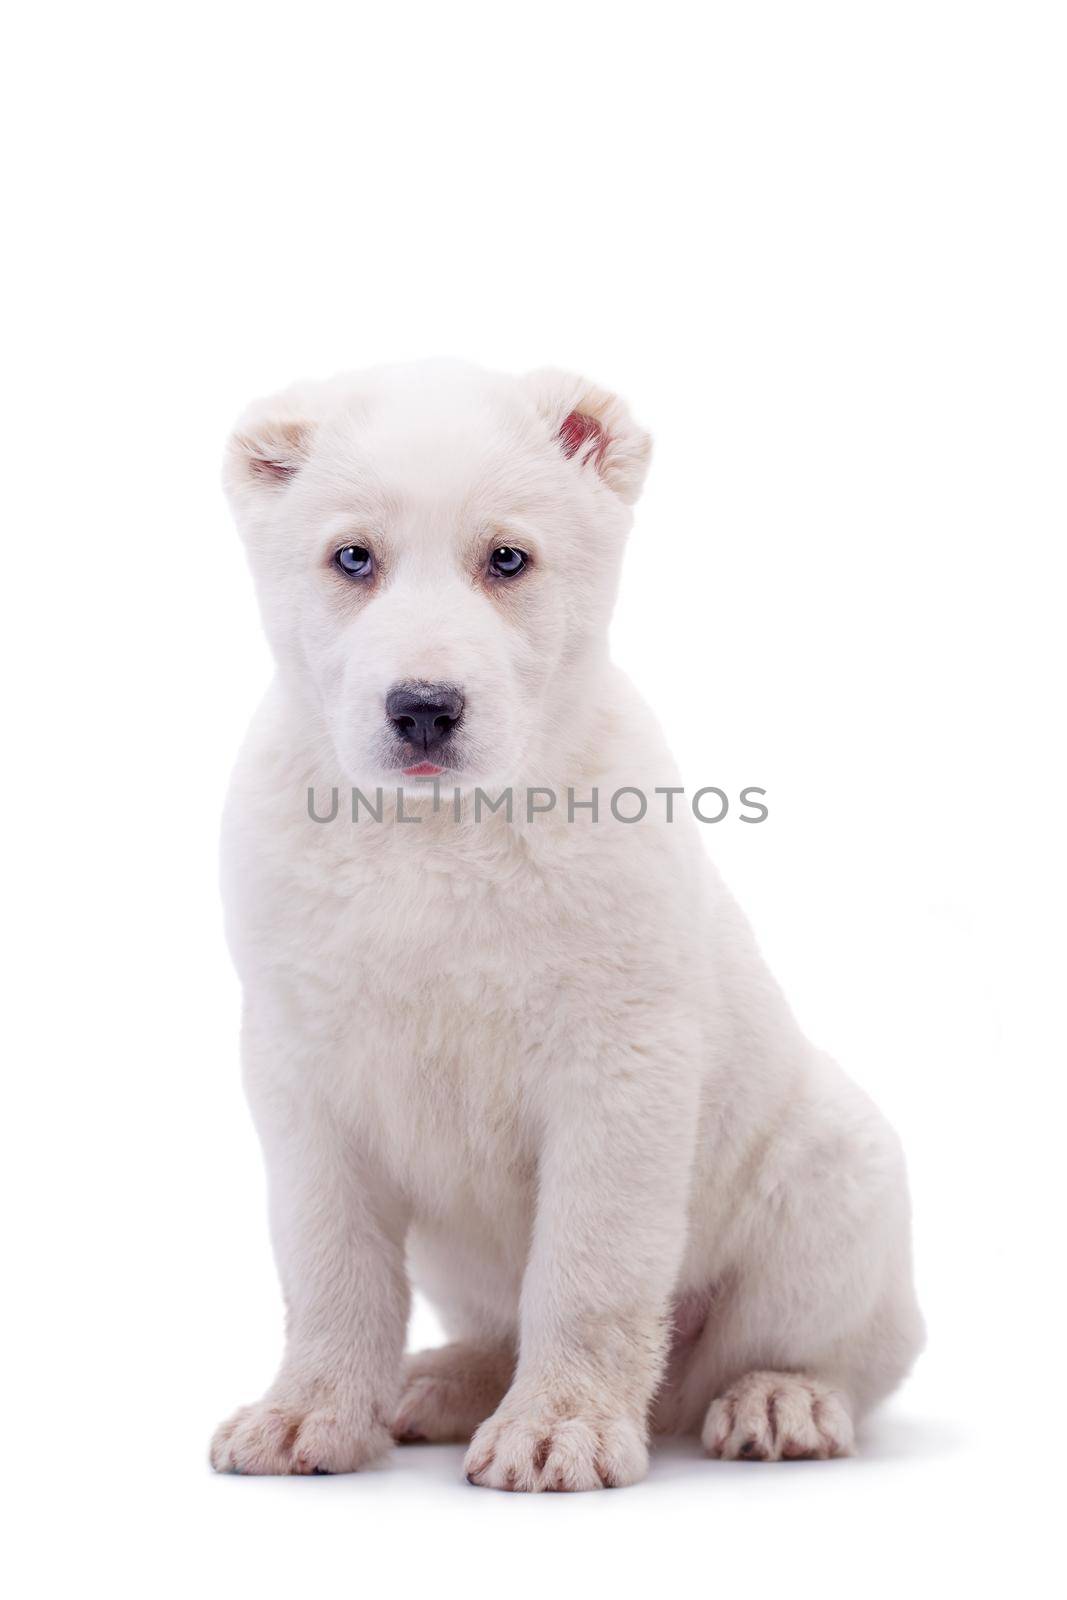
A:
(449, 1392)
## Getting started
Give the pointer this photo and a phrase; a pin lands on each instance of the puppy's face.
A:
(436, 551)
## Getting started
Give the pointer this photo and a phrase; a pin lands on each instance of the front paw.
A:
(538, 1448)
(276, 1436)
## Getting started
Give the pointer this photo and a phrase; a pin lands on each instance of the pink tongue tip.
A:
(425, 769)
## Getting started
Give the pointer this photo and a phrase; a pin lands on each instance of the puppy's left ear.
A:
(594, 429)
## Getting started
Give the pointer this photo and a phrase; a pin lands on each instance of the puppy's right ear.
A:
(266, 451)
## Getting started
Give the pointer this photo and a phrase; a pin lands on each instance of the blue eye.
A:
(506, 562)
(354, 561)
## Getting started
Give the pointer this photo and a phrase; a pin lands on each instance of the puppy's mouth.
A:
(423, 769)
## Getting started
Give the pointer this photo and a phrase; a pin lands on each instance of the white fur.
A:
(537, 1065)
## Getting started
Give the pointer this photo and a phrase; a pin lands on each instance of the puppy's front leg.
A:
(338, 1235)
(608, 1239)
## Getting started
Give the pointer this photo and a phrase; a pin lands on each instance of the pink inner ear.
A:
(277, 471)
(578, 430)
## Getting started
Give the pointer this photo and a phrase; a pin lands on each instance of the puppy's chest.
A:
(447, 941)
(452, 1120)
(442, 989)
(445, 1097)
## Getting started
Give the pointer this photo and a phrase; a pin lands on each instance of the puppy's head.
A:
(436, 551)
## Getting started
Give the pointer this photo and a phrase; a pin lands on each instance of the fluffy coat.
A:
(536, 1065)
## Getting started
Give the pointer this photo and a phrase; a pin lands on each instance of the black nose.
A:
(424, 713)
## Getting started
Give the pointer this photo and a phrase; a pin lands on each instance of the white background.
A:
(821, 248)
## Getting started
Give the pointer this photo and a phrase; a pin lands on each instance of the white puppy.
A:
(534, 1062)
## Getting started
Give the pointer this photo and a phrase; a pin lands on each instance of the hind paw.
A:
(448, 1392)
(778, 1416)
